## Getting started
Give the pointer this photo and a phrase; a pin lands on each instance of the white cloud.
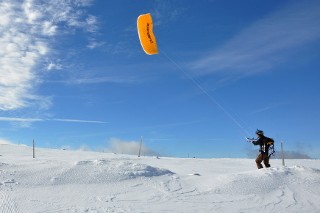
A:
(30, 13)
(26, 29)
(91, 23)
(55, 66)
(48, 28)
(83, 3)
(266, 42)
(94, 44)
(5, 8)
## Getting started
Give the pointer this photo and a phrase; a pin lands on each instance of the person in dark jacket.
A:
(263, 142)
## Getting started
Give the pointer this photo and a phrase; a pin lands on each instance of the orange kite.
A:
(146, 36)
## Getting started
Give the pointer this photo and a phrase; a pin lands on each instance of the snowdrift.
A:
(76, 181)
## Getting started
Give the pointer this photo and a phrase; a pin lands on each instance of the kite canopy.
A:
(146, 36)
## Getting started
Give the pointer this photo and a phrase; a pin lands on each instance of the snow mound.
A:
(106, 171)
(268, 180)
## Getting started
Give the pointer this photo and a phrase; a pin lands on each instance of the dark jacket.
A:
(262, 142)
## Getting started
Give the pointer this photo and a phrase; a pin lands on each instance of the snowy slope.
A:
(76, 181)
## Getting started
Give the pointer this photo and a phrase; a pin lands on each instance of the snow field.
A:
(76, 181)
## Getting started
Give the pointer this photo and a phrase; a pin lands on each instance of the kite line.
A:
(149, 45)
(211, 98)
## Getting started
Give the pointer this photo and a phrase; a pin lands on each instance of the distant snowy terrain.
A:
(77, 181)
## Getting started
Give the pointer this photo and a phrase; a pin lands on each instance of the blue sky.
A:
(73, 74)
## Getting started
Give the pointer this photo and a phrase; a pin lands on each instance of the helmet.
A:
(259, 132)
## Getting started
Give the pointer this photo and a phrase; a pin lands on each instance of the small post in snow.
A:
(282, 153)
(33, 149)
(140, 146)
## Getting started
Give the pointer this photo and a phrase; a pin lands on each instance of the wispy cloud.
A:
(97, 80)
(31, 120)
(20, 119)
(93, 43)
(26, 30)
(265, 43)
(104, 80)
(76, 121)
(165, 11)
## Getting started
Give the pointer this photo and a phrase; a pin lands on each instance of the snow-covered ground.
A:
(77, 181)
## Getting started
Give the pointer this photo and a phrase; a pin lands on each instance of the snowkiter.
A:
(264, 143)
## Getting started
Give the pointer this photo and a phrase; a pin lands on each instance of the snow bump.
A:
(106, 171)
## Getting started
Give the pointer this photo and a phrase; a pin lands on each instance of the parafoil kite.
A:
(146, 36)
